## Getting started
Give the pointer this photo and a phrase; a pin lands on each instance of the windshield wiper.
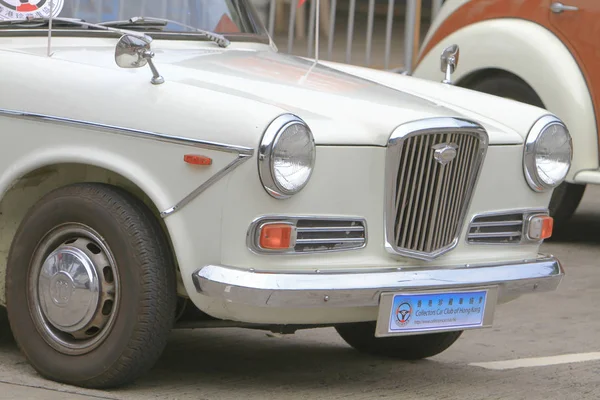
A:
(134, 22)
(39, 22)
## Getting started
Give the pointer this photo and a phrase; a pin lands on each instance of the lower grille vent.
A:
(503, 228)
(323, 235)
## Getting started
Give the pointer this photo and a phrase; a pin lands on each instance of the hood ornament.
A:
(444, 153)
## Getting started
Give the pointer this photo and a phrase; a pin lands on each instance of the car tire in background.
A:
(567, 196)
(361, 336)
(90, 286)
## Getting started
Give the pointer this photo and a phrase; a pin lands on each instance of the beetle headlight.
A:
(286, 156)
(548, 154)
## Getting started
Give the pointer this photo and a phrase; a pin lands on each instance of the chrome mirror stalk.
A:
(449, 62)
(135, 52)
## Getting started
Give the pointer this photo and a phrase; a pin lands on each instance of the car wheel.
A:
(90, 286)
(566, 197)
(361, 336)
(564, 202)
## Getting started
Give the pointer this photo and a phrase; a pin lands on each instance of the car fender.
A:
(550, 70)
(164, 184)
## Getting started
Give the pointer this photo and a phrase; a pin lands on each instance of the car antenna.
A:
(50, 28)
(317, 16)
(317, 23)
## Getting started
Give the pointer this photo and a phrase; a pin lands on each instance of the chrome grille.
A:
(429, 193)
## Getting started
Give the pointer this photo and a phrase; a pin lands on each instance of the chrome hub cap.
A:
(73, 288)
(68, 289)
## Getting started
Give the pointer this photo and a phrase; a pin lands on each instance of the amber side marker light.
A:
(540, 227)
(277, 236)
(195, 159)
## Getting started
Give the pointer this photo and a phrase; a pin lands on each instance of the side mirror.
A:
(449, 61)
(135, 52)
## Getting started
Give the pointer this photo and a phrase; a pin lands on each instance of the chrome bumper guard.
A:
(363, 288)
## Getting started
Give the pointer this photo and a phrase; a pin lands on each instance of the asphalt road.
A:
(316, 364)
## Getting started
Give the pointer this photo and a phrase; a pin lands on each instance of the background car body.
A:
(554, 52)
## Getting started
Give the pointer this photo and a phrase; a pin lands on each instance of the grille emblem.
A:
(445, 152)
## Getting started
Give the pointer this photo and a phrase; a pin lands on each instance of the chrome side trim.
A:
(209, 182)
(363, 288)
(129, 132)
(243, 153)
(392, 165)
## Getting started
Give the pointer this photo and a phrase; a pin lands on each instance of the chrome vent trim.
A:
(502, 227)
(428, 195)
(314, 234)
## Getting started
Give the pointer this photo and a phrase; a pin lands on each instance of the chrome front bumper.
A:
(363, 288)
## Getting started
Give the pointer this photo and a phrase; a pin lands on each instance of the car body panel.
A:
(270, 81)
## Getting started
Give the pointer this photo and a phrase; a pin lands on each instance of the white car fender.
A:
(164, 184)
(541, 60)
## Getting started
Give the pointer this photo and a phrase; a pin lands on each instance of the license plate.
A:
(406, 313)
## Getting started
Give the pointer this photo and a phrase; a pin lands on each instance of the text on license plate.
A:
(435, 311)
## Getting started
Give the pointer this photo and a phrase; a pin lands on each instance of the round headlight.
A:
(548, 154)
(286, 156)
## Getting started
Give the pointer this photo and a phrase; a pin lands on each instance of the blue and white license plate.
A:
(437, 311)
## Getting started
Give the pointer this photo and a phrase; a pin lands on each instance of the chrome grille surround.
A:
(433, 216)
(313, 234)
(503, 227)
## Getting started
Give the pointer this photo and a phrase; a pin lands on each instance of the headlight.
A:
(286, 156)
(548, 154)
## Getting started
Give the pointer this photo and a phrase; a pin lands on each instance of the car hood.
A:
(341, 108)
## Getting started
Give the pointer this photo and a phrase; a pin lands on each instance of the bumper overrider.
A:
(364, 288)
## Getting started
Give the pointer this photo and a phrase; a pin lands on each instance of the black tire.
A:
(361, 336)
(140, 269)
(564, 202)
(567, 196)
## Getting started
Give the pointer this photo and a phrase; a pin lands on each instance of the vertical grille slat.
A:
(470, 144)
(448, 228)
(403, 191)
(432, 188)
(471, 157)
(443, 209)
(430, 195)
(418, 209)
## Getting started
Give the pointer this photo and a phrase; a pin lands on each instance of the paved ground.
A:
(233, 364)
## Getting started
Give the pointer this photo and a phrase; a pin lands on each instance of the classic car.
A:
(165, 168)
(539, 52)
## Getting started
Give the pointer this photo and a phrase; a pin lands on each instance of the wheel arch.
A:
(31, 185)
(552, 72)
(471, 79)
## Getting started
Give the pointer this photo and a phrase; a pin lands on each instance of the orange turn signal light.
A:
(540, 227)
(195, 159)
(276, 236)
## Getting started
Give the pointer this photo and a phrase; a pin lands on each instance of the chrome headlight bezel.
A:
(268, 144)
(530, 152)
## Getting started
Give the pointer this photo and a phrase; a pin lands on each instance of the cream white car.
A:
(169, 168)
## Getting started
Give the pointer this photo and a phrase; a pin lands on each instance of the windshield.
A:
(221, 16)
